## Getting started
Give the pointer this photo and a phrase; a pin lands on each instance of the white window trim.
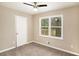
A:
(61, 38)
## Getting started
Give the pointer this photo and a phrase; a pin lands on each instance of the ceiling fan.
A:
(35, 5)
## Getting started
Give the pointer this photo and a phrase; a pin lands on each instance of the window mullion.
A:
(49, 26)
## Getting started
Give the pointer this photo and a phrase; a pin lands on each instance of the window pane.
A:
(44, 31)
(44, 27)
(56, 21)
(45, 22)
(56, 32)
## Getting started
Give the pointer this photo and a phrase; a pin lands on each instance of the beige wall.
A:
(7, 27)
(70, 41)
(71, 28)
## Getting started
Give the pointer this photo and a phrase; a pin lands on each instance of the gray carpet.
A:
(34, 49)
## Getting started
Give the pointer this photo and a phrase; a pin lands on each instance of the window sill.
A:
(59, 38)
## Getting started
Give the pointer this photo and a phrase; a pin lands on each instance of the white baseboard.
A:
(29, 42)
(12, 47)
(25, 44)
(58, 48)
(44, 45)
(7, 49)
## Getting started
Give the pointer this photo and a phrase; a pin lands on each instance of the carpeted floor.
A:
(34, 49)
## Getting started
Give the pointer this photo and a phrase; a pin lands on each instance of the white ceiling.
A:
(28, 9)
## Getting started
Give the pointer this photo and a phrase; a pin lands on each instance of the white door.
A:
(21, 30)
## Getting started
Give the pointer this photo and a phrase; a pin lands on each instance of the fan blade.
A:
(28, 4)
(42, 5)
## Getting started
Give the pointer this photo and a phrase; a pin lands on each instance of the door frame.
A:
(16, 30)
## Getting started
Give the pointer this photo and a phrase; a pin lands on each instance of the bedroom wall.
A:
(70, 41)
(7, 27)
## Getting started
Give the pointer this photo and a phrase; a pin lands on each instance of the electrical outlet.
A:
(48, 42)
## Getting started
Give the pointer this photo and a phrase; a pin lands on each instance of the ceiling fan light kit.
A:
(35, 9)
(35, 5)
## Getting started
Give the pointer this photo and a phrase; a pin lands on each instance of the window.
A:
(52, 27)
(44, 26)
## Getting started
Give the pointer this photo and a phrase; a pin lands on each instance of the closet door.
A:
(21, 30)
